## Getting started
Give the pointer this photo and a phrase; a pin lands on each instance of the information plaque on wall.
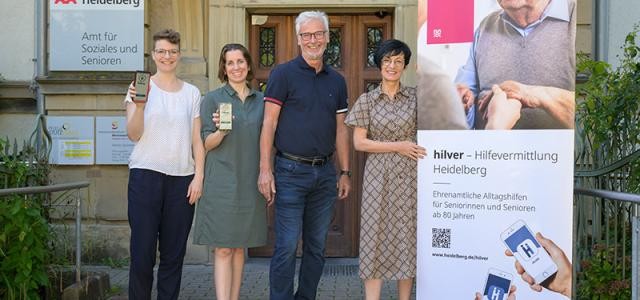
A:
(73, 140)
(113, 147)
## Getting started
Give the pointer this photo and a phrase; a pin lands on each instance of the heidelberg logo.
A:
(134, 3)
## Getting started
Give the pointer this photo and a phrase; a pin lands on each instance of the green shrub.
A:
(24, 231)
(608, 120)
(609, 113)
(601, 275)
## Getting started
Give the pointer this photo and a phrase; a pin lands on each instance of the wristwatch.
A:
(345, 172)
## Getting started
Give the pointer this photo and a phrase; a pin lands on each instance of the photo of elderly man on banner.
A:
(495, 206)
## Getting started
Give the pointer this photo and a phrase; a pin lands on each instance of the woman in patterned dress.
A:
(384, 125)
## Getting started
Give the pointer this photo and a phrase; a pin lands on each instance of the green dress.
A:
(231, 212)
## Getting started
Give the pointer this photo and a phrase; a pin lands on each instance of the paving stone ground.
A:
(339, 281)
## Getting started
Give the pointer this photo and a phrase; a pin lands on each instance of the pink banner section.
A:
(449, 21)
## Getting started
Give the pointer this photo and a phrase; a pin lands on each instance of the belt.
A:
(314, 161)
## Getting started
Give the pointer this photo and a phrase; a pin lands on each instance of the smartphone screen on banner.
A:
(497, 285)
(529, 253)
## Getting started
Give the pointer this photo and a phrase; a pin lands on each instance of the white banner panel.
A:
(96, 35)
(479, 194)
(495, 203)
(73, 140)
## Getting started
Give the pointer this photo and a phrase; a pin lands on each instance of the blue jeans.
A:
(305, 197)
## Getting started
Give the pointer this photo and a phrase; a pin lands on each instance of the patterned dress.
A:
(388, 214)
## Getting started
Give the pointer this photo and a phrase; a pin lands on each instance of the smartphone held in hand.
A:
(226, 116)
(534, 259)
(142, 85)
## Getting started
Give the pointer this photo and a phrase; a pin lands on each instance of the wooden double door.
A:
(353, 39)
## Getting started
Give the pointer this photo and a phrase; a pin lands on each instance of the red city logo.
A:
(65, 1)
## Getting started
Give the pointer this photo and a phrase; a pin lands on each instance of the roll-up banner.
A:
(496, 103)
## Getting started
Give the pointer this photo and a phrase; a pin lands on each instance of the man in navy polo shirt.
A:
(305, 106)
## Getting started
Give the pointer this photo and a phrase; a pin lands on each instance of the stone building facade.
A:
(29, 88)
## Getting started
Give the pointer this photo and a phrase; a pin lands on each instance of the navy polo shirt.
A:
(309, 104)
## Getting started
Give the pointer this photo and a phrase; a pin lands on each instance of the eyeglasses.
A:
(164, 52)
(386, 62)
(306, 36)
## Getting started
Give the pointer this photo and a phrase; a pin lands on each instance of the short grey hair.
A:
(307, 16)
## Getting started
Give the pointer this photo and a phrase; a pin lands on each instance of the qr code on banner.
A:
(441, 237)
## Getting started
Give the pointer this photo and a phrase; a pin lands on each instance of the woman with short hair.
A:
(165, 172)
(384, 125)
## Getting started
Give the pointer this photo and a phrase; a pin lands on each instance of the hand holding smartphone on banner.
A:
(141, 84)
(532, 257)
(540, 262)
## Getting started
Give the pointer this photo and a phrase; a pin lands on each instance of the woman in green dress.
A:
(231, 214)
